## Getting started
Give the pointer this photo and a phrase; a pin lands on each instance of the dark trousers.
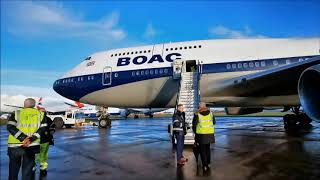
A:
(180, 145)
(18, 155)
(205, 154)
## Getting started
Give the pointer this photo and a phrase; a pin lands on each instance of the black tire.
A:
(58, 121)
(103, 123)
(151, 116)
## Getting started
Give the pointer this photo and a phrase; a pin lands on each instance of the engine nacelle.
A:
(309, 91)
(242, 110)
(124, 113)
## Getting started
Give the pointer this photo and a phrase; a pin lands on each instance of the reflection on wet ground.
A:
(245, 148)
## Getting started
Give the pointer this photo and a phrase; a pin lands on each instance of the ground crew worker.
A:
(24, 126)
(203, 127)
(45, 140)
(179, 131)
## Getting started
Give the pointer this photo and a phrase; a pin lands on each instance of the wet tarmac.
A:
(245, 148)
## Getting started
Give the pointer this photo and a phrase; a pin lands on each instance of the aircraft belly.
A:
(138, 94)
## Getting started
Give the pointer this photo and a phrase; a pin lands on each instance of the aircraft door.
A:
(107, 76)
(157, 49)
(177, 66)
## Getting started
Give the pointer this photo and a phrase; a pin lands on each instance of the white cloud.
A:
(15, 95)
(224, 32)
(150, 31)
(36, 19)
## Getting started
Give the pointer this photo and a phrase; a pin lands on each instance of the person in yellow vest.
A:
(24, 126)
(45, 140)
(203, 127)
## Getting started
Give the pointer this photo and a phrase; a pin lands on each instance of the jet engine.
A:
(309, 91)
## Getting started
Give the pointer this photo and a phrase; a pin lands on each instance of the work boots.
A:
(43, 172)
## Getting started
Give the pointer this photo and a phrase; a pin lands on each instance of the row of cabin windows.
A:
(181, 48)
(78, 79)
(253, 64)
(149, 51)
(149, 71)
(133, 52)
(246, 65)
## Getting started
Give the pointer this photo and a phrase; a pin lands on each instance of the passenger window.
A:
(165, 71)
(151, 71)
(116, 55)
(288, 61)
(161, 71)
(111, 55)
(194, 46)
(149, 51)
(186, 47)
(136, 52)
(200, 46)
(115, 74)
(181, 48)
(131, 52)
(190, 47)
(239, 65)
(234, 66)
(142, 73)
(156, 71)
(128, 53)
(146, 72)
(263, 63)
(138, 73)
(257, 64)
(167, 49)
(228, 66)
(251, 64)
(245, 65)
(275, 63)
(175, 48)
(92, 77)
(123, 53)
(171, 49)
(140, 52)
(89, 77)
(144, 51)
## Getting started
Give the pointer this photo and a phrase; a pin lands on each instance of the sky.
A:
(41, 40)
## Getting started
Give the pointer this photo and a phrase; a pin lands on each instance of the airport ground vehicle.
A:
(68, 119)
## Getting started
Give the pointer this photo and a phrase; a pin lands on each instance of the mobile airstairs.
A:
(188, 95)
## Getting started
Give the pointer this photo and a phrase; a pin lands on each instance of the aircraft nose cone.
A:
(66, 88)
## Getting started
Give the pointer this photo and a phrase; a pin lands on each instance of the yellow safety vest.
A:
(205, 124)
(28, 122)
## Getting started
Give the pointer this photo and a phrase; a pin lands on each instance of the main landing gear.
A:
(297, 121)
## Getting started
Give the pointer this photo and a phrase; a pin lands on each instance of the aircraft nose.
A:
(67, 88)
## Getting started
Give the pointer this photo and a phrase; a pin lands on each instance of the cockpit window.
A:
(88, 58)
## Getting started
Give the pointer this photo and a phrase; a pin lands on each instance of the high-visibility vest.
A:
(205, 124)
(28, 122)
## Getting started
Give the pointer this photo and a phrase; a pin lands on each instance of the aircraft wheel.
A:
(136, 116)
(58, 121)
(290, 122)
(103, 123)
(151, 115)
(304, 121)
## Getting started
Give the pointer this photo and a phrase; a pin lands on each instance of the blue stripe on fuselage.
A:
(76, 87)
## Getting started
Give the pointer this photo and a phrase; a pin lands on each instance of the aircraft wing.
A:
(13, 106)
(278, 81)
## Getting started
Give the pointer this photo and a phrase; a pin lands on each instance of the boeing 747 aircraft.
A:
(244, 75)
